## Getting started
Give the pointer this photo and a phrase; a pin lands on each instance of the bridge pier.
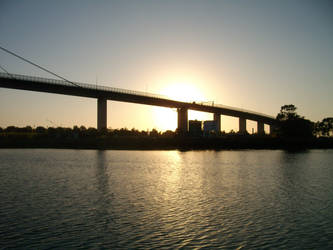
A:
(242, 125)
(260, 128)
(101, 114)
(182, 121)
(217, 119)
(271, 129)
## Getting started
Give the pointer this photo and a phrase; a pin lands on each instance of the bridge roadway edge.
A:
(97, 93)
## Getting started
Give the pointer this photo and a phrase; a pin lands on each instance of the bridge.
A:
(103, 93)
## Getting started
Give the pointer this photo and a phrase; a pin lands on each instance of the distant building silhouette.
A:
(195, 128)
(210, 127)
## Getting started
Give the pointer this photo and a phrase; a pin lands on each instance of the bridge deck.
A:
(39, 84)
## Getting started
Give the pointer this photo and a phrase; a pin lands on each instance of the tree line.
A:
(81, 131)
(289, 124)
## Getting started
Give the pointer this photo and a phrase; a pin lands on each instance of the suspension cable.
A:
(1, 67)
(38, 66)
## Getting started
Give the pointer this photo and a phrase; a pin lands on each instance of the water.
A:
(152, 199)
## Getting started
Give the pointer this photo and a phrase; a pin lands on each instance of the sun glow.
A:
(185, 92)
(166, 118)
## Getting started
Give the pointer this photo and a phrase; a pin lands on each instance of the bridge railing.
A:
(79, 84)
(118, 90)
(243, 110)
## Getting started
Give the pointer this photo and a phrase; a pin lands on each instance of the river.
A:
(52, 198)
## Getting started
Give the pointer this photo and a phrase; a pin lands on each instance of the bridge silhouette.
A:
(103, 93)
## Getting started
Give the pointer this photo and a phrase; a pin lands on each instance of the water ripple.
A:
(166, 199)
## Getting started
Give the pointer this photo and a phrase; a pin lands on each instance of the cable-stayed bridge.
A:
(103, 93)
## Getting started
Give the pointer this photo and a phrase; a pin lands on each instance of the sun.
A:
(166, 118)
(186, 92)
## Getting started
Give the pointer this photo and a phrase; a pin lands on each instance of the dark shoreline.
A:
(173, 143)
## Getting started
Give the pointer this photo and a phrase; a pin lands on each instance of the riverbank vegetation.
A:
(292, 131)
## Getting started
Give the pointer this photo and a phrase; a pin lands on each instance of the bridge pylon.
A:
(182, 121)
(242, 125)
(101, 114)
(260, 128)
(217, 119)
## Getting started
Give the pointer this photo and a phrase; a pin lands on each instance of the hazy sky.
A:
(256, 55)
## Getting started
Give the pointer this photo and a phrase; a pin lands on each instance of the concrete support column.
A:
(182, 121)
(271, 129)
(101, 114)
(217, 119)
(242, 125)
(260, 128)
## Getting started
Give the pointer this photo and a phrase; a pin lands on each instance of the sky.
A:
(256, 55)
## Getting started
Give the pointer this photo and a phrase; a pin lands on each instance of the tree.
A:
(168, 133)
(83, 128)
(293, 125)
(287, 112)
(11, 129)
(154, 133)
(325, 126)
(41, 130)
